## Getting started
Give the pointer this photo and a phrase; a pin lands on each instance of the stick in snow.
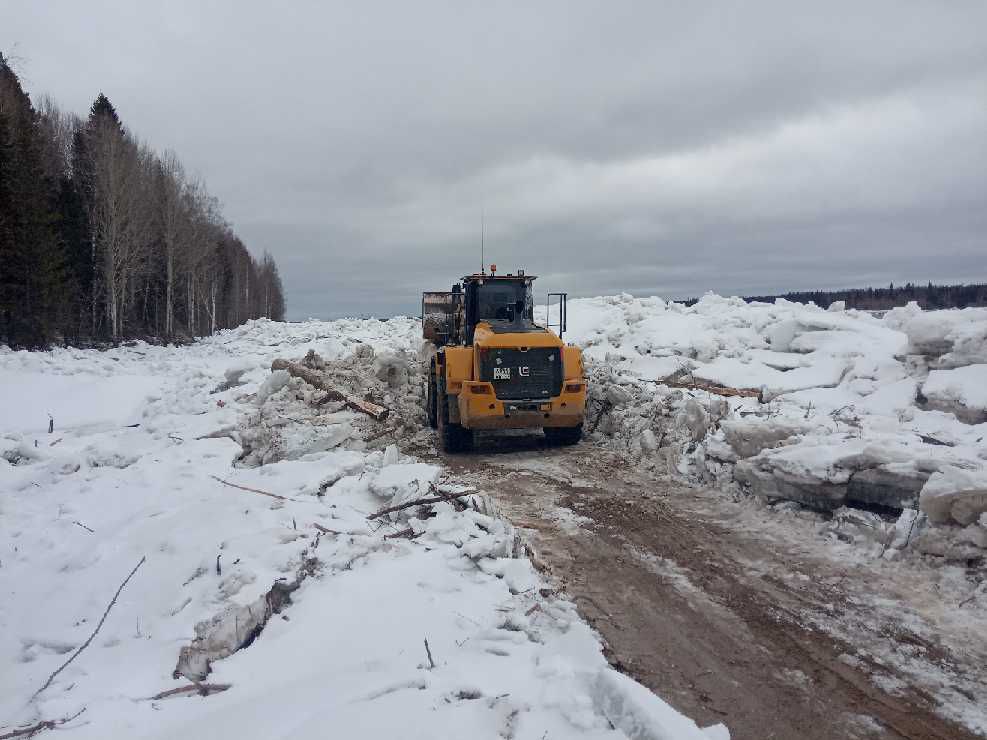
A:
(84, 645)
(252, 490)
(420, 501)
(428, 651)
(48, 724)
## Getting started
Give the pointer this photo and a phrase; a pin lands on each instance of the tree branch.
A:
(48, 724)
(420, 501)
(84, 645)
(252, 490)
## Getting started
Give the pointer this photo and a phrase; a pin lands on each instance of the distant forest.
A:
(103, 239)
(879, 299)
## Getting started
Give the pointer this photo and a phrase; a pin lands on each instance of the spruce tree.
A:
(31, 259)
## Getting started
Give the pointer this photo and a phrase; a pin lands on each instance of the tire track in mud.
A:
(669, 591)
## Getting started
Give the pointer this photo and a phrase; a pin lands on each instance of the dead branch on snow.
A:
(84, 645)
(420, 502)
(48, 724)
(252, 490)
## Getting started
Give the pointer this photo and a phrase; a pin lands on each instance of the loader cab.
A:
(506, 302)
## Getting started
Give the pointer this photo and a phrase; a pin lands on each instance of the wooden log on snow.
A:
(318, 380)
(696, 384)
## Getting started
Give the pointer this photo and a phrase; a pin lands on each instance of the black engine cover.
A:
(535, 373)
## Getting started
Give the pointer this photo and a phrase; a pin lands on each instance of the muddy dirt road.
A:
(725, 623)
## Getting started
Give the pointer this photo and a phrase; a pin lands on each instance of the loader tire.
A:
(431, 414)
(563, 435)
(453, 437)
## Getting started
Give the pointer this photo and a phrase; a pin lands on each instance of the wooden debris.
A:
(428, 651)
(200, 689)
(48, 724)
(419, 502)
(319, 380)
(696, 384)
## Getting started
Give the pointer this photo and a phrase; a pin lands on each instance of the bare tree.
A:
(176, 226)
(119, 216)
(58, 129)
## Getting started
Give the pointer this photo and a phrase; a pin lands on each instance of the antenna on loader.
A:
(482, 220)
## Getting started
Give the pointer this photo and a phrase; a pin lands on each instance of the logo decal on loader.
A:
(523, 371)
(501, 373)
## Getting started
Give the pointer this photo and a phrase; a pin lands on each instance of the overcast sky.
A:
(652, 148)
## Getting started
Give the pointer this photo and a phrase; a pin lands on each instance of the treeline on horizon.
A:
(881, 299)
(103, 239)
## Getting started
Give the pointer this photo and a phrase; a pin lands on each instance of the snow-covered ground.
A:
(153, 463)
(843, 411)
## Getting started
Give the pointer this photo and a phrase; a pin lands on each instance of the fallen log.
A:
(705, 385)
(200, 689)
(318, 380)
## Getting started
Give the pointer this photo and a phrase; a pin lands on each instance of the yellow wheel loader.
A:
(489, 366)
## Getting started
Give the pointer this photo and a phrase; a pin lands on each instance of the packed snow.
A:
(239, 508)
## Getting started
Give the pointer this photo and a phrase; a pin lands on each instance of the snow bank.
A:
(837, 408)
(263, 570)
(641, 715)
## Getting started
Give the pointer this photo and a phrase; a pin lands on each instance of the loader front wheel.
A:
(563, 435)
(454, 437)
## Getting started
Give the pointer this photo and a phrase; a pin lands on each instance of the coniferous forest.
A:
(928, 296)
(104, 239)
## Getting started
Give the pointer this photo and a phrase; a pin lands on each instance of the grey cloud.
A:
(642, 147)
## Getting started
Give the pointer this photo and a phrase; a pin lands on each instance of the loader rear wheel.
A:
(454, 437)
(563, 435)
(430, 400)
